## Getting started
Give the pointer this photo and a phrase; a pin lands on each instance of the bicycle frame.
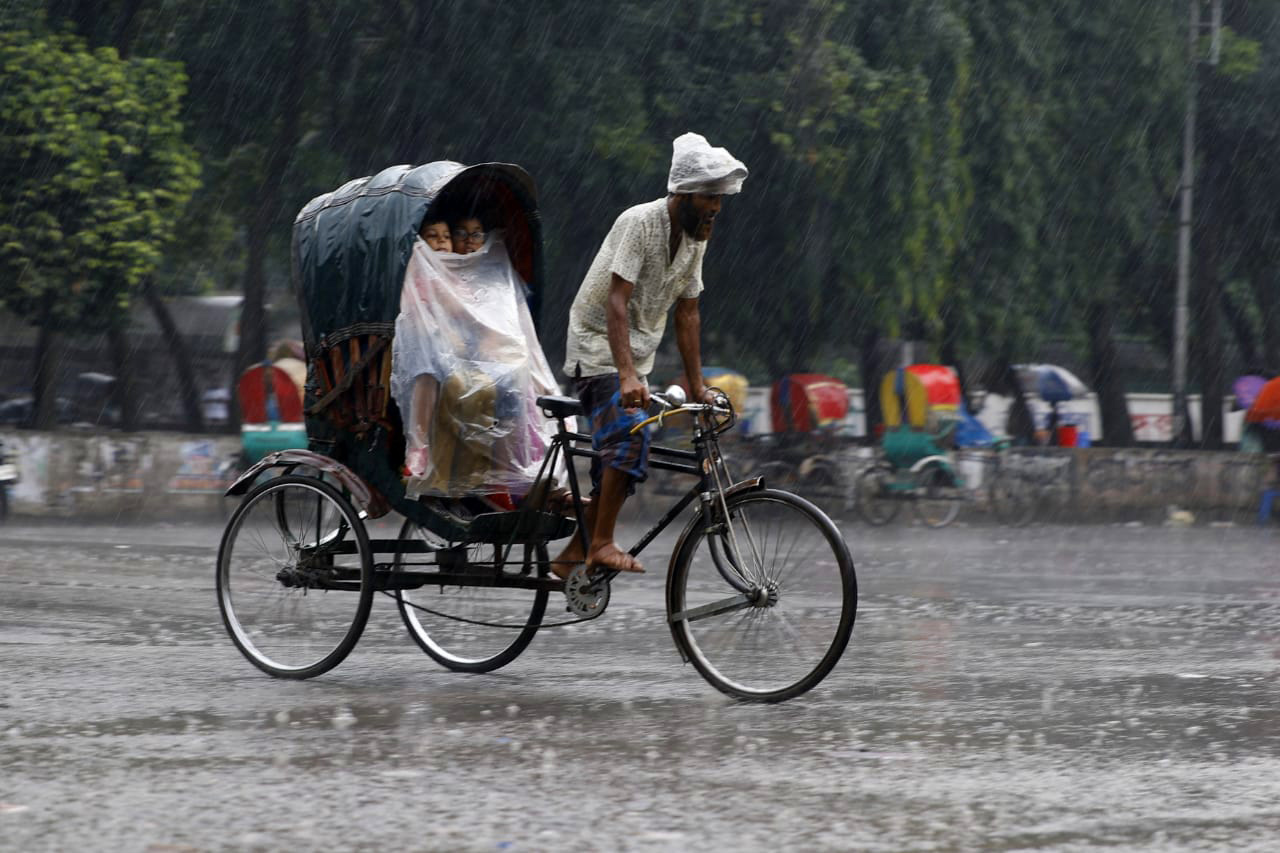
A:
(455, 570)
(696, 463)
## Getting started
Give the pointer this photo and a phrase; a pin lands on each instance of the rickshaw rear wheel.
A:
(937, 497)
(295, 593)
(875, 502)
(473, 628)
(1013, 497)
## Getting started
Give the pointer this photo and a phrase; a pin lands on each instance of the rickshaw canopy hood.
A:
(911, 393)
(803, 402)
(351, 246)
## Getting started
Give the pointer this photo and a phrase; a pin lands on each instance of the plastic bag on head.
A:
(466, 373)
(696, 167)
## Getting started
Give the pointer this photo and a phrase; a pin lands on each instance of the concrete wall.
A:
(1101, 484)
(171, 475)
(83, 474)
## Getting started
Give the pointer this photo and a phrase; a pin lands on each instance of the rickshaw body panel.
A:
(804, 402)
(271, 412)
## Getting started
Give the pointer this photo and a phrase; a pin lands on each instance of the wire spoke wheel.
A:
(1013, 497)
(825, 486)
(763, 602)
(295, 577)
(875, 497)
(472, 628)
(937, 497)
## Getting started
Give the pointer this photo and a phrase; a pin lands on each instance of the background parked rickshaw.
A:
(297, 568)
(1055, 385)
(678, 431)
(921, 404)
(807, 448)
(270, 396)
(928, 435)
(730, 381)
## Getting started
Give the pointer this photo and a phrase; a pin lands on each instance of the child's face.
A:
(468, 235)
(436, 234)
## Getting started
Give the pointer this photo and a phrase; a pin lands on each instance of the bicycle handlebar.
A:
(670, 407)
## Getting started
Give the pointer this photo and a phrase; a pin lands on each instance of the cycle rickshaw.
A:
(921, 405)
(760, 593)
(928, 430)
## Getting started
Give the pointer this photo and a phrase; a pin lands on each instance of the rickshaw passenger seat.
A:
(560, 407)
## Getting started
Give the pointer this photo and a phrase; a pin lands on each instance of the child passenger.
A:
(468, 235)
(436, 235)
(465, 402)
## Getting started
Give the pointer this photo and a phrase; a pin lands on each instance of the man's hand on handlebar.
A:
(633, 393)
(708, 396)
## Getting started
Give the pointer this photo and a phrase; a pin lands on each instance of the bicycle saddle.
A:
(560, 407)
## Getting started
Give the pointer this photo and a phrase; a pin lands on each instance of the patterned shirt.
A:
(637, 249)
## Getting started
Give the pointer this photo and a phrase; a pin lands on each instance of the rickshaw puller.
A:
(650, 260)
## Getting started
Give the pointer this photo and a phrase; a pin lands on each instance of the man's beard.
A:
(689, 218)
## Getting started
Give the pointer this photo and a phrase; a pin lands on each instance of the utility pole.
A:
(1181, 429)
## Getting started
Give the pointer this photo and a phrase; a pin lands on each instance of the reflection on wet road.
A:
(1047, 688)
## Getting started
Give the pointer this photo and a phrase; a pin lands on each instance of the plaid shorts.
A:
(611, 431)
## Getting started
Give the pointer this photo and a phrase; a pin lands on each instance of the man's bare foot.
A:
(561, 501)
(571, 556)
(612, 557)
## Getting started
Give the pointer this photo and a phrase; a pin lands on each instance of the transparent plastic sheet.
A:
(467, 370)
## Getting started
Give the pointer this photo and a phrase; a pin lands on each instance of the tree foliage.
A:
(93, 172)
(979, 175)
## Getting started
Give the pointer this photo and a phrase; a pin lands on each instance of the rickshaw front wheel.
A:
(937, 496)
(874, 497)
(1013, 497)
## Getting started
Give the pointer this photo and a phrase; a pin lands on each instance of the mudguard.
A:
(369, 504)
(752, 484)
(932, 460)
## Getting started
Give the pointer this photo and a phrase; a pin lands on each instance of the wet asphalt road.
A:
(1040, 689)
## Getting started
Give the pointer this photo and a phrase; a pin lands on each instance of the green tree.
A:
(1235, 232)
(1115, 122)
(94, 173)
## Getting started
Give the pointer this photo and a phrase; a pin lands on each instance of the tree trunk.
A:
(1105, 375)
(126, 27)
(870, 370)
(951, 357)
(1266, 290)
(50, 350)
(266, 213)
(1208, 355)
(125, 389)
(176, 347)
(1238, 320)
